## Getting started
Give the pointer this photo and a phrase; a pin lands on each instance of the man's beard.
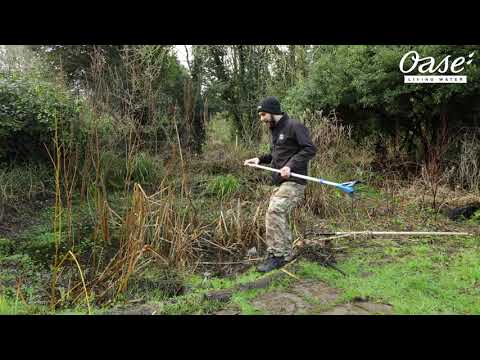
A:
(271, 122)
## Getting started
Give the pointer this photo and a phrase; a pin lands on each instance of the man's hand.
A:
(254, 161)
(285, 172)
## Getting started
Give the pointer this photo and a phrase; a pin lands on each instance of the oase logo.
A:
(427, 65)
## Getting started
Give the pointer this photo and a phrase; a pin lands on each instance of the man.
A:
(290, 151)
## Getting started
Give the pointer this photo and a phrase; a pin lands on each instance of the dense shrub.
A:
(30, 108)
(364, 84)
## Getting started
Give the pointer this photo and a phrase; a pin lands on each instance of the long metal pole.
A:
(321, 181)
(435, 233)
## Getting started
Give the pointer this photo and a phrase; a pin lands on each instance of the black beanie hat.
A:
(270, 105)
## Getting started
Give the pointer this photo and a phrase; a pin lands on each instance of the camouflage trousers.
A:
(282, 201)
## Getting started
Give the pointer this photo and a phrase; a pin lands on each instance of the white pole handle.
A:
(321, 181)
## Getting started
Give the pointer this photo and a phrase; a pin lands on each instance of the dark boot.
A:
(271, 263)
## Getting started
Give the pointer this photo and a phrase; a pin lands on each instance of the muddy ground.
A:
(303, 297)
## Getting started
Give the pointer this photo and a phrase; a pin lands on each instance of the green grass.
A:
(242, 301)
(424, 280)
(11, 306)
(429, 276)
(475, 219)
(7, 307)
(194, 303)
(223, 186)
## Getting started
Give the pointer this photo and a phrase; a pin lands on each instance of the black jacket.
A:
(291, 146)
